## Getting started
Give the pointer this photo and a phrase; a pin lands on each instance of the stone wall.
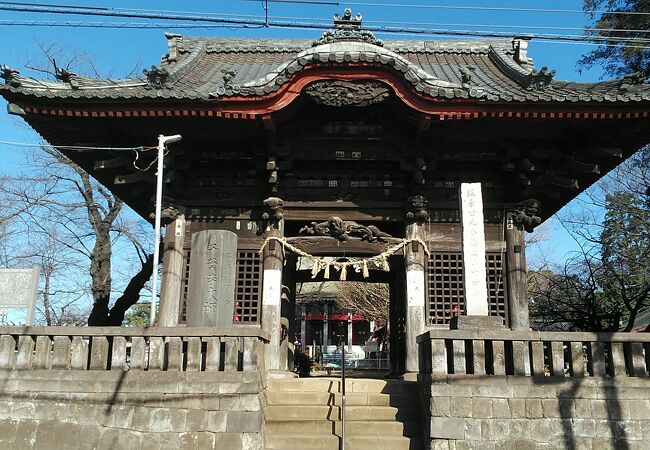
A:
(510, 412)
(70, 410)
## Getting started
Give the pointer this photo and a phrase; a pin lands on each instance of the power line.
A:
(250, 21)
(525, 27)
(456, 7)
(120, 25)
(76, 147)
(158, 26)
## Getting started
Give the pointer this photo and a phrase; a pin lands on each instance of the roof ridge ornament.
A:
(157, 76)
(348, 28)
(520, 47)
(466, 74)
(10, 75)
(633, 79)
(228, 77)
(66, 76)
(539, 79)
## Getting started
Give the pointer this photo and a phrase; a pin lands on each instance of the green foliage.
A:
(625, 241)
(138, 315)
(606, 288)
(302, 364)
(619, 59)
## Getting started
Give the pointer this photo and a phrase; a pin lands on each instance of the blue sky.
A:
(118, 52)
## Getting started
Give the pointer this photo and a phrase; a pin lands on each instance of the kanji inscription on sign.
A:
(471, 211)
(19, 289)
(211, 296)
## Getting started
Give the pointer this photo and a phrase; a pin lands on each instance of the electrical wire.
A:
(456, 7)
(120, 25)
(318, 25)
(591, 40)
(137, 156)
(77, 147)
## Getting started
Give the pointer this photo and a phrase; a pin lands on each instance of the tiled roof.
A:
(213, 68)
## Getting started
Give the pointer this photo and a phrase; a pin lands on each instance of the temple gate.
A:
(443, 153)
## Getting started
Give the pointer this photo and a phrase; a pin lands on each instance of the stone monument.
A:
(211, 296)
(471, 212)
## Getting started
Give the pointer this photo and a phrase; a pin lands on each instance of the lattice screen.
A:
(249, 283)
(446, 296)
(496, 285)
(186, 287)
(248, 286)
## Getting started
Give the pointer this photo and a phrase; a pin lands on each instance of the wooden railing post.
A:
(138, 359)
(637, 360)
(174, 350)
(213, 353)
(498, 358)
(577, 359)
(118, 353)
(43, 352)
(616, 359)
(156, 353)
(252, 348)
(438, 357)
(478, 350)
(25, 357)
(193, 362)
(537, 358)
(61, 353)
(520, 358)
(98, 353)
(557, 359)
(7, 351)
(460, 364)
(232, 354)
(79, 357)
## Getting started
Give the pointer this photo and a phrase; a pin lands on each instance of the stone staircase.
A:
(305, 414)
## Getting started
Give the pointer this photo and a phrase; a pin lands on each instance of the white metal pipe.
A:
(162, 142)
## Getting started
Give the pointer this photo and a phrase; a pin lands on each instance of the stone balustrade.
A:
(530, 353)
(136, 349)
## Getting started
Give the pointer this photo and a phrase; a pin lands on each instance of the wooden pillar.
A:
(172, 274)
(416, 264)
(516, 277)
(272, 281)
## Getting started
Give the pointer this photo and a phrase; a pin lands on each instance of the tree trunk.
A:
(100, 273)
(131, 293)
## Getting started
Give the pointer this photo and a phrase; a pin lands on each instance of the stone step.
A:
(360, 427)
(352, 385)
(331, 442)
(332, 412)
(276, 397)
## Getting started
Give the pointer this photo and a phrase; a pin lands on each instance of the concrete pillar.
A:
(473, 233)
(271, 295)
(173, 266)
(517, 288)
(416, 263)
